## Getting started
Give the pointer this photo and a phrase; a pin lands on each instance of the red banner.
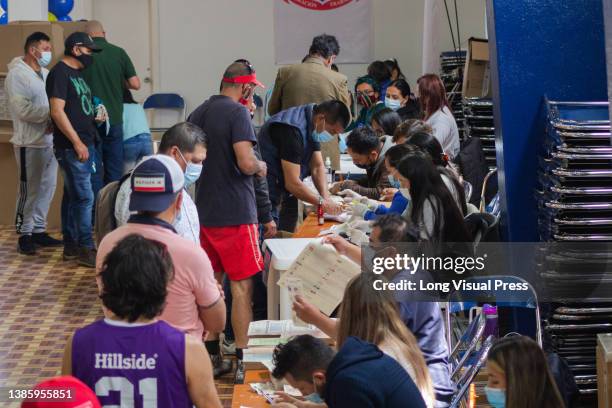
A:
(320, 5)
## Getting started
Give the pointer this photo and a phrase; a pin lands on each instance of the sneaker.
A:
(239, 375)
(220, 366)
(45, 240)
(26, 245)
(87, 257)
(228, 347)
(71, 252)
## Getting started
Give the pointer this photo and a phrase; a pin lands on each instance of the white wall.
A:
(201, 37)
(20, 10)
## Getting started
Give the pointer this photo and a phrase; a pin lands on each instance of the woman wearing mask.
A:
(436, 113)
(399, 98)
(519, 376)
(385, 121)
(436, 209)
(373, 316)
(367, 92)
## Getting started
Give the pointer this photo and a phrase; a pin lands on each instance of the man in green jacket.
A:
(111, 72)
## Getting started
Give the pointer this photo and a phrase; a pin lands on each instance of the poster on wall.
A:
(296, 22)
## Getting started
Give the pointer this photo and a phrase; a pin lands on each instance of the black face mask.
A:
(363, 166)
(86, 60)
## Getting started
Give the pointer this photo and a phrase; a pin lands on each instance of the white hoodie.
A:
(28, 105)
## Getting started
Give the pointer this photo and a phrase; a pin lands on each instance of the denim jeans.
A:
(111, 151)
(134, 149)
(78, 199)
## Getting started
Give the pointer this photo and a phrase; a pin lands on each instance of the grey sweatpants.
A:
(37, 172)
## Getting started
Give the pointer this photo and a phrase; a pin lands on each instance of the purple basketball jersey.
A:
(140, 366)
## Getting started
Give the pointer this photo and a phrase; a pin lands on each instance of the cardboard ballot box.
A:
(477, 73)
(14, 34)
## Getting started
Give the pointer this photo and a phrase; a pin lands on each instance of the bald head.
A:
(95, 29)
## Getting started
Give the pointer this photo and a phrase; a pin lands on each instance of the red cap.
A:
(81, 395)
(244, 79)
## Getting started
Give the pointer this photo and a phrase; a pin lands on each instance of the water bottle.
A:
(491, 325)
(329, 171)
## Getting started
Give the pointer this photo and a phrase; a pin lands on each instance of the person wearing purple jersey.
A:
(131, 358)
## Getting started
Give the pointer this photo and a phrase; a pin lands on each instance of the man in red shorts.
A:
(226, 200)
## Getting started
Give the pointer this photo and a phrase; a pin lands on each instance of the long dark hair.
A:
(426, 184)
(393, 65)
(432, 94)
(388, 120)
(529, 382)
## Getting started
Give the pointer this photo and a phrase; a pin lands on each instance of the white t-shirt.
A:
(187, 224)
(445, 130)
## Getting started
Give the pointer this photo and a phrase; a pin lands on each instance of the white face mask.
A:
(393, 104)
(45, 58)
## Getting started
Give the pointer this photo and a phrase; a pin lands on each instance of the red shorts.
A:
(233, 250)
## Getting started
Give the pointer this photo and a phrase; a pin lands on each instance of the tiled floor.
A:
(42, 300)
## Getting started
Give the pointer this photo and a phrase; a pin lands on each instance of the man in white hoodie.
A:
(33, 142)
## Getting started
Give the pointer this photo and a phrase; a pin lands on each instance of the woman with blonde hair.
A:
(372, 316)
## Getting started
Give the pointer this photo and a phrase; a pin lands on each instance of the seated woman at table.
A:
(382, 327)
(385, 121)
(367, 91)
(437, 201)
(423, 319)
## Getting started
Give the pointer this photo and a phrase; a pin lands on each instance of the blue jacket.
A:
(424, 320)
(299, 117)
(362, 376)
(398, 206)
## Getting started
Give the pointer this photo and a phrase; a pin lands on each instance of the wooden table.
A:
(244, 396)
(310, 228)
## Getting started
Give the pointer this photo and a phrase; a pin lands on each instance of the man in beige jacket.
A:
(313, 81)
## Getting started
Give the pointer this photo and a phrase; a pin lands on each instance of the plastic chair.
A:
(166, 101)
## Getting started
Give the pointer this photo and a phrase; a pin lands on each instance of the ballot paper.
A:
(324, 274)
(281, 328)
(295, 288)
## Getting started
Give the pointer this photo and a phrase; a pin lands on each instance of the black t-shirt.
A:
(225, 196)
(67, 83)
(289, 142)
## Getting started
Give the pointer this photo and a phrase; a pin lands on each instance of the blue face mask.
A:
(322, 137)
(315, 398)
(393, 104)
(393, 181)
(192, 171)
(496, 397)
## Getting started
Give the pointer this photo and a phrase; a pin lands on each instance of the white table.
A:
(281, 252)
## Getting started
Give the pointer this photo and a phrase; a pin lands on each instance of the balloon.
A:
(4, 18)
(64, 18)
(52, 17)
(61, 7)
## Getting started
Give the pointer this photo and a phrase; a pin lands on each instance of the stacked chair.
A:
(452, 64)
(575, 216)
(478, 122)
